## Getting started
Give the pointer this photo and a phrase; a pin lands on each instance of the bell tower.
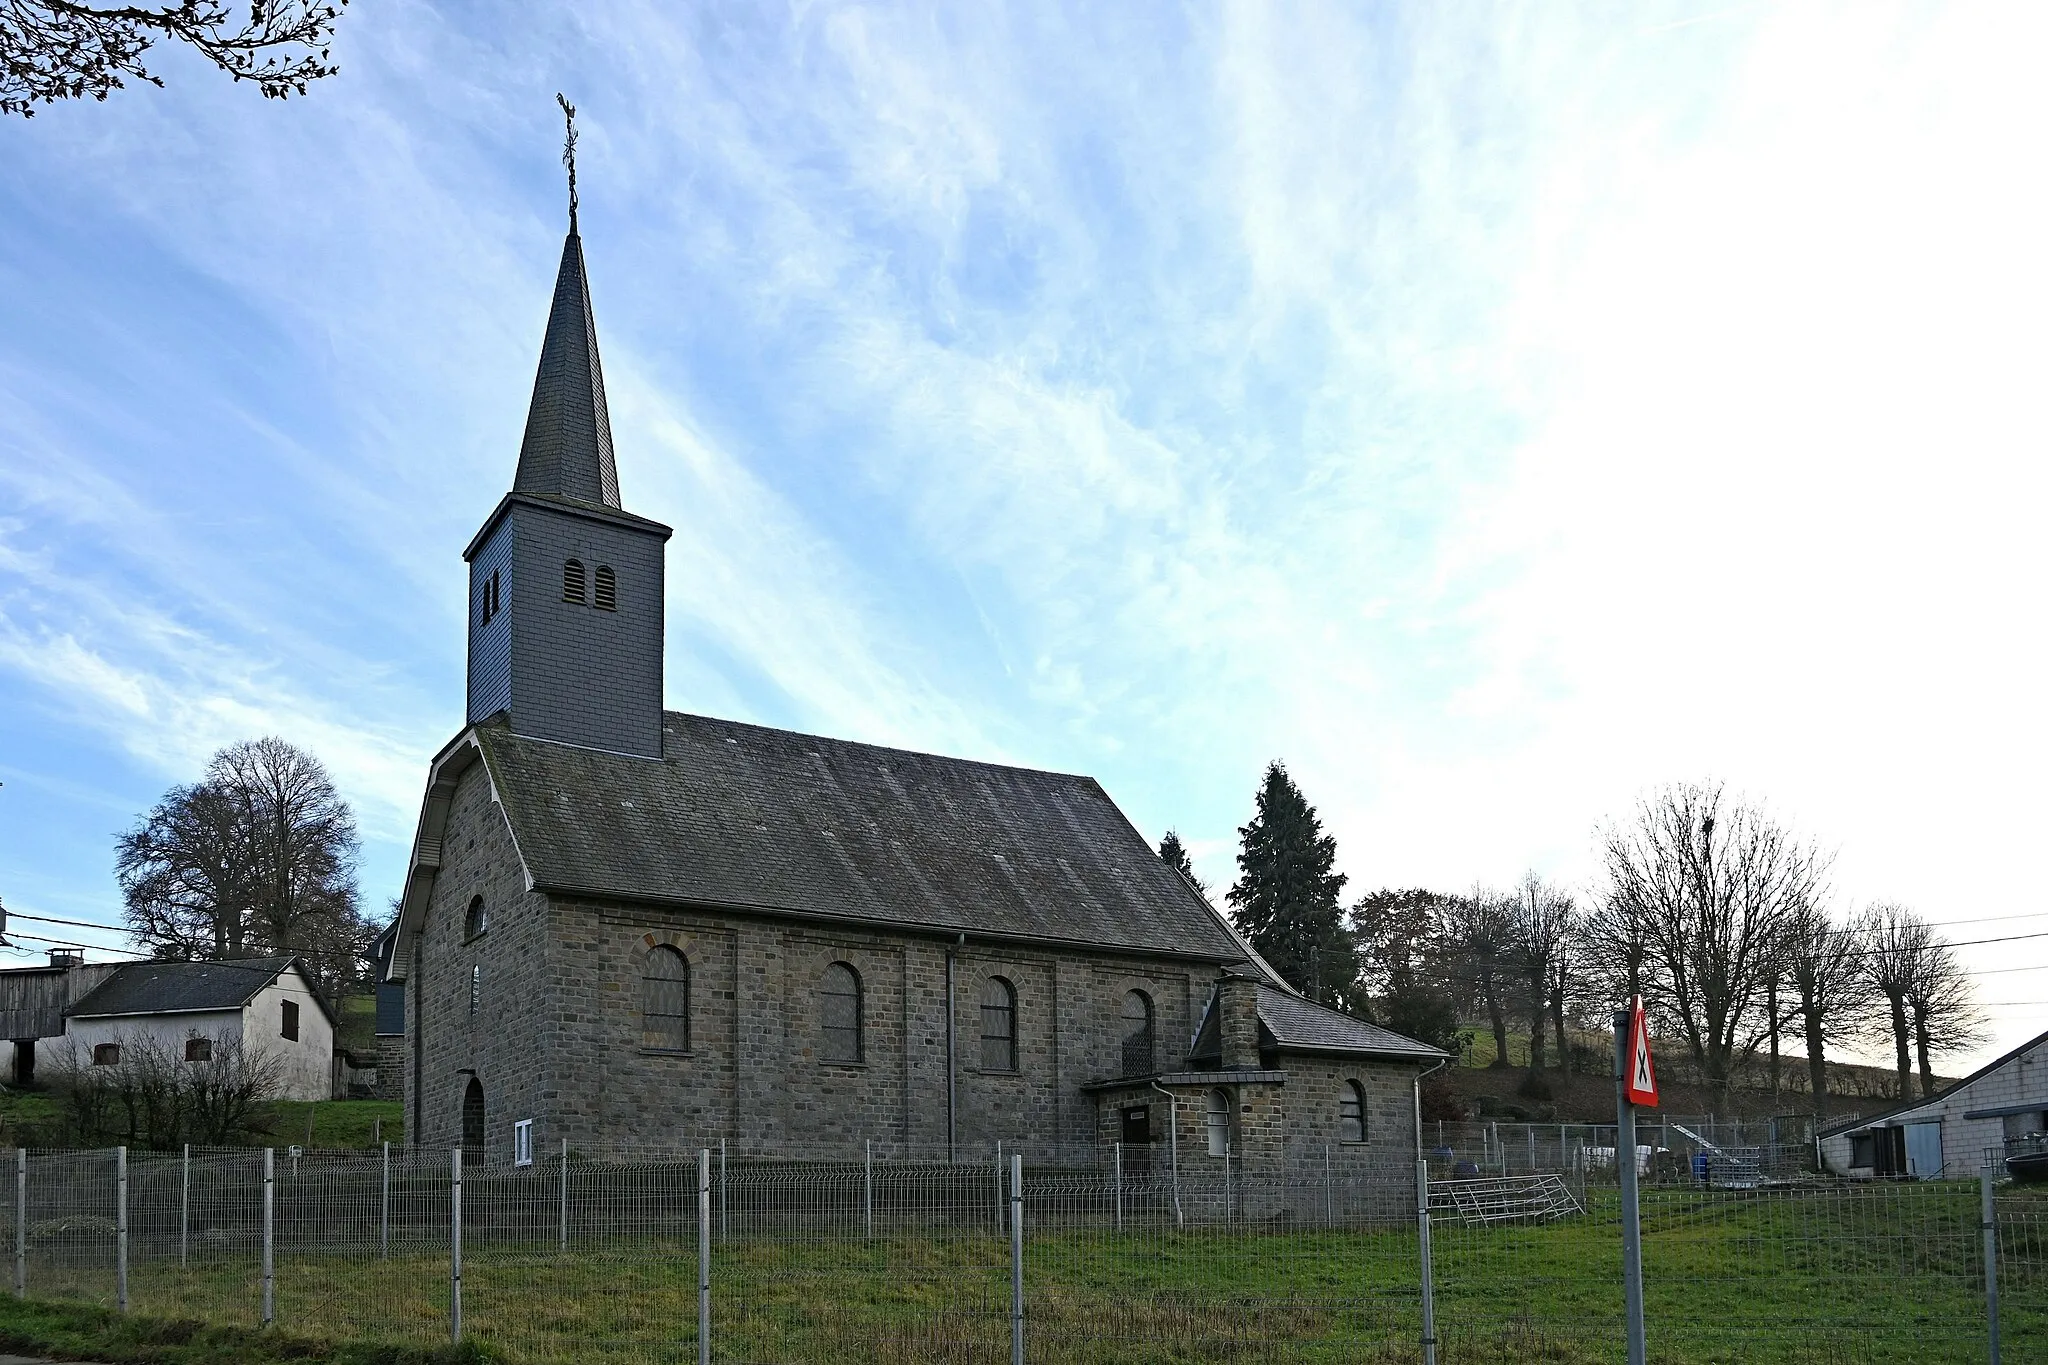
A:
(565, 585)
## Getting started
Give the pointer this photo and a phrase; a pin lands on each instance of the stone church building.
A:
(625, 927)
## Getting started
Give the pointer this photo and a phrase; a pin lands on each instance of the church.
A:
(625, 928)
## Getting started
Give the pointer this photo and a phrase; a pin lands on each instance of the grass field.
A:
(1777, 1280)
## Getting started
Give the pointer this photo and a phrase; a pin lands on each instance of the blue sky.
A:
(1491, 411)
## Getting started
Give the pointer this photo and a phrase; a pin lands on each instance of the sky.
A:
(1492, 411)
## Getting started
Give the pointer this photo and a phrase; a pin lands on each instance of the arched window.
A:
(473, 1116)
(488, 605)
(476, 988)
(1219, 1122)
(572, 581)
(839, 1014)
(998, 1025)
(607, 588)
(1351, 1113)
(1137, 1034)
(665, 1000)
(477, 920)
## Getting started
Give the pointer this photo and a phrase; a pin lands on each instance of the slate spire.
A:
(567, 451)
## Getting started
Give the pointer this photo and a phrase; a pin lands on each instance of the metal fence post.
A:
(21, 1222)
(1990, 1259)
(1119, 1187)
(564, 1222)
(1329, 1191)
(1631, 1209)
(1017, 1259)
(121, 1228)
(724, 1206)
(384, 1210)
(185, 1206)
(867, 1196)
(999, 1187)
(1428, 1263)
(269, 1313)
(455, 1244)
(704, 1256)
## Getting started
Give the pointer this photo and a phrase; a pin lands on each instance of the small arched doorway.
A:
(473, 1117)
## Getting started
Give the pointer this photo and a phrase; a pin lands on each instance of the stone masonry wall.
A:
(504, 1041)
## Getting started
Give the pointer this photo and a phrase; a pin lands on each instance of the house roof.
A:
(183, 987)
(1908, 1106)
(1299, 1023)
(746, 817)
(1291, 1022)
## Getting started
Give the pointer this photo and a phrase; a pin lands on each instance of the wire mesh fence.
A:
(622, 1256)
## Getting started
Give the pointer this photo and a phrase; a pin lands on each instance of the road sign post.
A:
(1635, 1082)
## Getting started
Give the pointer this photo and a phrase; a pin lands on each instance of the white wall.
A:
(2023, 1078)
(306, 1065)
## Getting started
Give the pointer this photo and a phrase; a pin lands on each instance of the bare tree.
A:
(259, 856)
(1709, 884)
(1894, 941)
(1482, 926)
(1930, 999)
(1541, 930)
(54, 50)
(1822, 964)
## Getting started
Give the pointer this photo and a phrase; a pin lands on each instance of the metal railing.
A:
(1326, 1255)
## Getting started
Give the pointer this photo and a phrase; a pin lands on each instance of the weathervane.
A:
(569, 153)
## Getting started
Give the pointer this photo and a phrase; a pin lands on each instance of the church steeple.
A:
(568, 447)
(565, 621)
(567, 451)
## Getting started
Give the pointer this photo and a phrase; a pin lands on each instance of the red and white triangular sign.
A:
(1639, 1076)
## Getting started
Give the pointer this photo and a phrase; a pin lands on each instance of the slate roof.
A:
(743, 816)
(1289, 1022)
(182, 987)
(1297, 1022)
(567, 449)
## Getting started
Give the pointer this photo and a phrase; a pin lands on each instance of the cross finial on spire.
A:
(569, 152)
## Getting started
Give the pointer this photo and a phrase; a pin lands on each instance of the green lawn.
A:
(1777, 1280)
(336, 1123)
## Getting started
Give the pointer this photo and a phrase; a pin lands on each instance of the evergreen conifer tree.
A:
(1285, 900)
(1175, 855)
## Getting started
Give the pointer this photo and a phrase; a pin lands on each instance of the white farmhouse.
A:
(1957, 1130)
(190, 1009)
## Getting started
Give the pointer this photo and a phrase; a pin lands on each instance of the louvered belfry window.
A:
(572, 581)
(607, 588)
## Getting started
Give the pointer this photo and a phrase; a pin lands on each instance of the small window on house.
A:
(522, 1143)
(476, 989)
(572, 581)
(607, 589)
(1862, 1151)
(665, 1000)
(2023, 1125)
(1351, 1113)
(1137, 1057)
(1219, 1122)
(839, 1014)
(477, 920)
(289, 1025)
(199, 1049)
(106, 1054)
(998, 1025)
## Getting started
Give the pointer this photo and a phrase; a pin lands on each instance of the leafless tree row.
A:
(1713, 911)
